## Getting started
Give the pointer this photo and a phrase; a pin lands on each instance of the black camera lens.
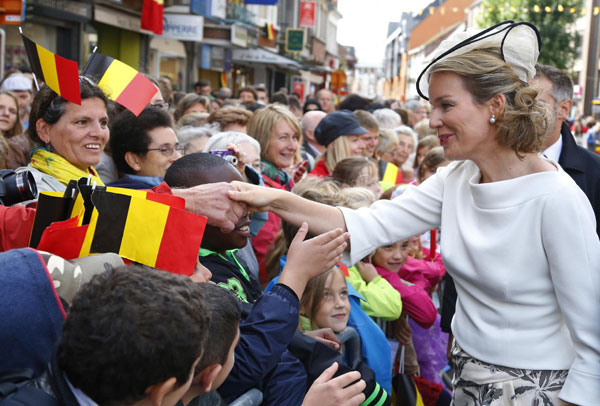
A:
(17, 187)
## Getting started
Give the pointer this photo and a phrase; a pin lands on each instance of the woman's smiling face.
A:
(80, 134)
(462, 125)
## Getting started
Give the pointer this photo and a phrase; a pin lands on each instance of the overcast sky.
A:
(364, 24)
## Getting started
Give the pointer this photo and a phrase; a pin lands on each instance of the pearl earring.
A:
(493, 119)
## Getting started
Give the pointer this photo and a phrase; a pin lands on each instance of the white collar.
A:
(81, 397)
(553, 151)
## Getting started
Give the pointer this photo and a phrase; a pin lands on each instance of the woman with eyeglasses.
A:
(69, 138)
(143, 147)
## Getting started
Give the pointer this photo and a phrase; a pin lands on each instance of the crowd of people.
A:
(333, 218)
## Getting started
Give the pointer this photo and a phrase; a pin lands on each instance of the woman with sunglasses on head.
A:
(518, 235)
(143, 147)
(69, 138)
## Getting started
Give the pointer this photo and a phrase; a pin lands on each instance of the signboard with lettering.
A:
(307, 14)
(184, 27)
(12, 12)
(294, 40)
(239, 35)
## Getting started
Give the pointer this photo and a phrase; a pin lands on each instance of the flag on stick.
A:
(147, 232)
(152, 16)
(120, 82)
(59, 74)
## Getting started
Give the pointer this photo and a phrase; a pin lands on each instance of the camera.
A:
(226, 154)
(16, 187)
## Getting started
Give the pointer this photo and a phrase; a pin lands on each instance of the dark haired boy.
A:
(262, 358)
(133, 336)
(219, 355)
(218, 252)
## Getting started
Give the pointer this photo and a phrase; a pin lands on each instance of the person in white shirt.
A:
(519, 235)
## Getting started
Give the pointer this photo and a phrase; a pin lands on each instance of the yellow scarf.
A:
(55, 165)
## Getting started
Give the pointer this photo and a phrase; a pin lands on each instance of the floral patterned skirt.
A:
(477, 383)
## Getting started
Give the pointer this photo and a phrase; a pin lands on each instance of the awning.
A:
(259, 55)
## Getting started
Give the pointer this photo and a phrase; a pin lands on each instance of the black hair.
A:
(308, 102)
(130, 134)
(130, 328)
(194, 169)
(354, 102)
(225, 317)
(50, 107)
(202, 83)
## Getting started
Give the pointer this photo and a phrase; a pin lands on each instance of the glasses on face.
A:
(168, 149)
(163, 105)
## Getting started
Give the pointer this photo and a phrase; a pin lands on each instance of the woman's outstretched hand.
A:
(258, 198)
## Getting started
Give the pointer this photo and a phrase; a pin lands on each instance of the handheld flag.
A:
(120, 82)
(147, 232)
(59, 74)
(152, 16)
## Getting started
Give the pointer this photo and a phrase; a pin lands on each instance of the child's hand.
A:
(367, 271)
(318, 254)
(339, 391)
(326, 336)
(307, 259)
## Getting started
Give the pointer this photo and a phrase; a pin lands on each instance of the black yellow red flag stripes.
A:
(152, 16)
(120, 82)
(147, 232)
(390, 173)
(59, 74)
(270, 32)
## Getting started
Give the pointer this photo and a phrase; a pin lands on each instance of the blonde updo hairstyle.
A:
(264, 120)
(525, 120)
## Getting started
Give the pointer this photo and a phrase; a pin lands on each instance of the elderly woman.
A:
(247, 148)
(191, 103)
(342, 134)
(231, 119)
(69, 137)
(518, 234)
(143, 147)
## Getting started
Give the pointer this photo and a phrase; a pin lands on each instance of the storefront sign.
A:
(299, 88)
(294, 40)
(307, 14)
(261, 56)
(239, 35)
(184, 27)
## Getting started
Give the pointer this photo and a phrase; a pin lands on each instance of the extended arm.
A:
(290, 207)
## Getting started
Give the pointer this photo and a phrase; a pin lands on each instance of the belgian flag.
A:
(59, 74)
(120, 82)
(270, 32)
(389, 173)
(148, 232)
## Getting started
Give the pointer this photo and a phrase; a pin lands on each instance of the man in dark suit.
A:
(580, 164)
